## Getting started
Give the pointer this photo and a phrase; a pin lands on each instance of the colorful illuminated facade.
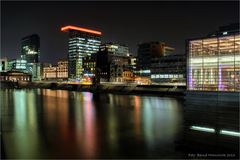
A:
(214, 61)
(82, 42)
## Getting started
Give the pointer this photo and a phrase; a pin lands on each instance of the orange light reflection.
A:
(137, 115)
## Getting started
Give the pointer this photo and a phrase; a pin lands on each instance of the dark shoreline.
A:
(158, 90)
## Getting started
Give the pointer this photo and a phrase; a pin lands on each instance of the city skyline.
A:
(120, 22)
(120, 80)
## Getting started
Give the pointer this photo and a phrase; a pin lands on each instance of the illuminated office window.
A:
(214, 64)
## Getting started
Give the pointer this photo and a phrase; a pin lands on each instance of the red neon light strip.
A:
(80, 29)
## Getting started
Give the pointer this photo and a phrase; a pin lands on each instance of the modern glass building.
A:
(30, 48)
(30, 51)
(82, 42)
(213, 62)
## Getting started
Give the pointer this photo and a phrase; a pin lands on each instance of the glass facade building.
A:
(214, 62)
(30, 52)
(30, 48)
(82, 42)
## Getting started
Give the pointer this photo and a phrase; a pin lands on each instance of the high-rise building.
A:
(148, 51)
(30, 48)
(213, 62)
(30, 51)
(82, 42)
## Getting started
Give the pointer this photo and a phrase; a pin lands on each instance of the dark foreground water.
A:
(44, 123)
(61, 124)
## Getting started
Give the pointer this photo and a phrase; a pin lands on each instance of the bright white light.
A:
(225, 33)
(230, 133)
(145, 71)
(204, 129)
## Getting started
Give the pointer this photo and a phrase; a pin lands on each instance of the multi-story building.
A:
(15, 76)
(213, 62)
(157, 61)
(3, 64)
(148, 51)
(18, 65)
(213, 85)
(30, 51)
(128, 75)
(62, 70)
(82, 42)
(49, 72)
(56, 72)
(111, 63)
(115, 49)
(169, 69)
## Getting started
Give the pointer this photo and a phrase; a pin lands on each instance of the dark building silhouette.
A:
(30, 48)
(149, 50)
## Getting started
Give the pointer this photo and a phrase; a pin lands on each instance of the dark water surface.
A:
(44, 123)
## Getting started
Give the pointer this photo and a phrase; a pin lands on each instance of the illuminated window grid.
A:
(214, 64)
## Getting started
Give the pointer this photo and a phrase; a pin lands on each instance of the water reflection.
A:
(61, 124)
(211, 124)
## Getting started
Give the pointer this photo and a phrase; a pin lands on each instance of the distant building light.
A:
(204, 129)
(114, 46)
(89, 74)
(145, 71)
(230, 133)
(225, 33)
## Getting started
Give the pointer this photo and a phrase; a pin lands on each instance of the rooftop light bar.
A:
(67, 28)
(204, 129)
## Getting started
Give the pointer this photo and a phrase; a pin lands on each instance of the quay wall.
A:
(161, 90)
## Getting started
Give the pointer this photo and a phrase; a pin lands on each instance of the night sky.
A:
(122, 22)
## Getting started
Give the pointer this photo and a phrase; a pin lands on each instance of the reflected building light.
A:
(220, 78)
(137, 116)
(204, 129)
(230, 133)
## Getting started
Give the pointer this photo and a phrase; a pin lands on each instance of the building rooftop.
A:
(67, 28)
